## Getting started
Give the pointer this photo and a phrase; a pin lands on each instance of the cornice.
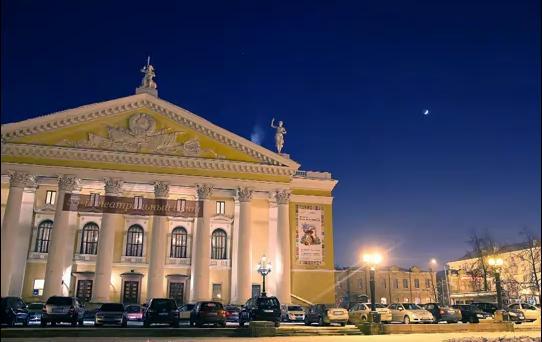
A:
(69, 153)
(103, 109)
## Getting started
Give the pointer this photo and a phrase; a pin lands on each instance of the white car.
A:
(410, 313)
(530, 312)
(360, 313)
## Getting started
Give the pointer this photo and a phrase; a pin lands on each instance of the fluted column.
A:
(10, 225)
(244, 252)
(201, 256)
(283, 267)
(155, 282)
(58, 268)
(106, 243)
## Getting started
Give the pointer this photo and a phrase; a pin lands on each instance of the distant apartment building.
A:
(520, 276)
(392, 284)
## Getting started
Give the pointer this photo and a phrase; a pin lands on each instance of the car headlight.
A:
(513, 314)
(479, 315)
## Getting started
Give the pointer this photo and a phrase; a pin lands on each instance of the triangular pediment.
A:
(142, 127)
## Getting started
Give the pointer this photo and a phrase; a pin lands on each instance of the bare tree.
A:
(481, 246)
(532, 257)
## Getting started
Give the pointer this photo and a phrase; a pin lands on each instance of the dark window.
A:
(396, 283)
(417, 283)
(84, 290)
(158, 304)
(130, 293)
(179, 243)
(256, 290)
(112, 307)
(134, 245)
(211, 306)
(176, 292)
(60, 301)
(267, 302)
(218, 244)
(405, 283)
(427, 283)
(44, 236)
(89, 239)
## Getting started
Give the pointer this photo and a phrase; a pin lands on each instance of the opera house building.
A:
(135, 198)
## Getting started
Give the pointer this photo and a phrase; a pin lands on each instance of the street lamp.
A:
(264, 268)
(433, 262)
(496, 264)
(372, 260)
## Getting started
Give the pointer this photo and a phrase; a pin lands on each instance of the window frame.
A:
(178, 247)
(132, 244)
(90, 229)
(217, 247)
(221, 207)
(50, 197)
(40, 237)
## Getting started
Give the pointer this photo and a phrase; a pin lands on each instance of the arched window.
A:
(89, 239)
(44, 236)
(178, 243)
(134, 245)
(218, 244)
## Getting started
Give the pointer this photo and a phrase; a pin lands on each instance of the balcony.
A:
(179, 261)
(219, 263)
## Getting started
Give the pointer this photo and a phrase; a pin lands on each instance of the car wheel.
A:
(74, 323)
(406, 320)
(321, 322)
(364, 318)
(124, 323)
(277, 324)
(199, 324)
(53, 324)
(472, 320)
(43, 323)
(146, 324)
(241, 323)
(175, 324)
(343, 324)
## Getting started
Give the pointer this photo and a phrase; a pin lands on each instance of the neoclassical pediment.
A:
(138, 129)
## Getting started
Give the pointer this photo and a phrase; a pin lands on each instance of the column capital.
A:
(244, 194)
(69, 183)
(113, 186)
(161, 189)
(205, 191)
(18, 179)
(282, 196)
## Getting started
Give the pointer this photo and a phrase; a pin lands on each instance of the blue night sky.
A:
(351, 80)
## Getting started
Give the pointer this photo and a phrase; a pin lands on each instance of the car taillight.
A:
(441, 312)
(221, 313)
(228, 313)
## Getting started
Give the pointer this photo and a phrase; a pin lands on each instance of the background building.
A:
(393, 284)
(135, 198)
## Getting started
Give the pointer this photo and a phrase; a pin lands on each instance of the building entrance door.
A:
(176, 292)
(130, 293)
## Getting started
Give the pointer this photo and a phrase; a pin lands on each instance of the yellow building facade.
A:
(135, 198)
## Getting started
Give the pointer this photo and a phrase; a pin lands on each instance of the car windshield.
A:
(210, 306)
(412, 306)
(92, 306)
(159, 304)
(267, 302)
(35, 306)
(67, 301)
(112, 307)
(295, 308)
(381, 306)
(132, 308)
(233, 308)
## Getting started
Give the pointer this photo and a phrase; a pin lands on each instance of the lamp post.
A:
(372, 260)
(432, 263)
(264, 268)
(496, 265)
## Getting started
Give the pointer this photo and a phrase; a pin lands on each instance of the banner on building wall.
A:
(310, 237)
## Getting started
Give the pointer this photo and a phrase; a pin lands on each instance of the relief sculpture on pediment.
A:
(142, 136)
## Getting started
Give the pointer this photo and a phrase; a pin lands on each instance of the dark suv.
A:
(261, 309)
(471, 313)
(490, 308)
(161, 310)
(443, 313)
(13, 310)
(62, 309)
(208, 313)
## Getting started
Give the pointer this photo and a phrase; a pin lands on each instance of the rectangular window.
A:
(138, 202)
(38, 287)
(176, 291)
(427, 283)
(130, 293)
(405, 283)
(94, 199)
(417, 283)
(217, 292)
(396, 283)
(181, 205)
(220, 207)
(50, 197)
(256, 290)
(84, 290)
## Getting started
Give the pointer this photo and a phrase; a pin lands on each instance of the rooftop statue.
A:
(279, 134)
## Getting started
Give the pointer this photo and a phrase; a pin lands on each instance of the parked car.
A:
(89, 314)
(410, 313)
(35, 311)
(443, 313)
(530, 312)
(185, 311)
(292, 313)
(514, 316)
(260, 308)
(325, 314)
(472, 314)
(161, 310)
(232, 313)
(110, 313)
(359, 313)
(62, 309)
(133, 313)
(12, 311)
(208, 313)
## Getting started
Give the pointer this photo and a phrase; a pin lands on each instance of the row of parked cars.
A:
(164, 310)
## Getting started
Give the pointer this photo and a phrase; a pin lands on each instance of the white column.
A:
(234, 294)
(283, 267)
(10, 225)
(244, 253)
(58, 268)
(155, 282)
(106, 243)
(270, 279)
(201, 253)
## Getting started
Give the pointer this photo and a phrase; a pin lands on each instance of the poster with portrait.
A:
(309, 235)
